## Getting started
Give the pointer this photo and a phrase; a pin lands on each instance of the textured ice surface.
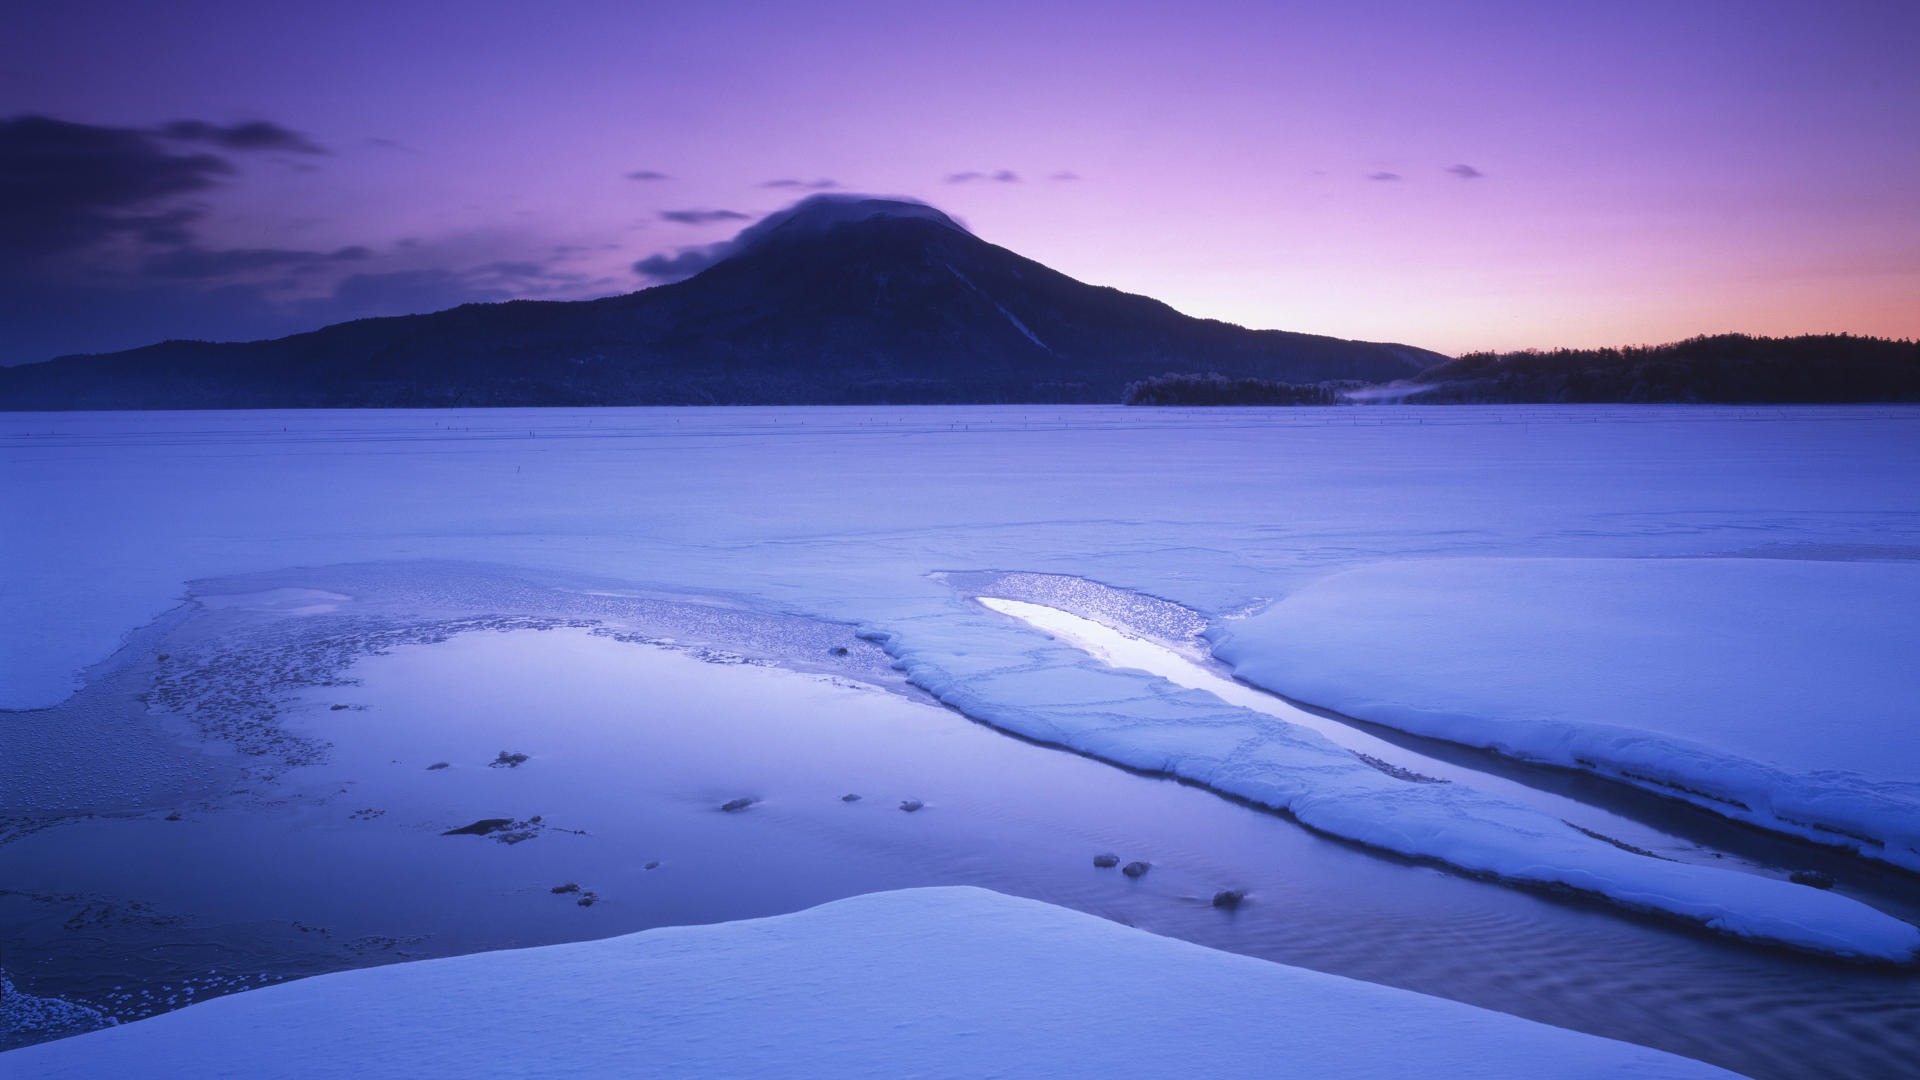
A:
(930, 982)
(1776, 692)
(25, 1016)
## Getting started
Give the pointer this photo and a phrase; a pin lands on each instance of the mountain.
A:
(836, 300)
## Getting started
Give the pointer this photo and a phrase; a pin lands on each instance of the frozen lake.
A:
(670, 609)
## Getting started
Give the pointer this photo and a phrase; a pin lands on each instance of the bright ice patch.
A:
(1124, 650)
(929, 982)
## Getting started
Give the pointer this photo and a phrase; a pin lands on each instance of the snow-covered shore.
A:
(949, 982)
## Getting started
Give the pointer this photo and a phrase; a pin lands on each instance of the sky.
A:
(1455, 175)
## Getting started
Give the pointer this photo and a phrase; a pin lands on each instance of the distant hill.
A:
(838, 300)
(1726, 368)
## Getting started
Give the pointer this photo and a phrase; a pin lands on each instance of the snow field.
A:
(946, 982)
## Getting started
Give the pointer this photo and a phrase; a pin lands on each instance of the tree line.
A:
(1213, 388)
(1722, 368)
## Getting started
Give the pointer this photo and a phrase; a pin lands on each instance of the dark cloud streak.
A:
(681, 264)
(100, 247)
(1002, 176)
(66, 187)
(196, 262)
(703, 217)
(251, 135)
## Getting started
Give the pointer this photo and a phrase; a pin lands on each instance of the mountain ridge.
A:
(847, 300)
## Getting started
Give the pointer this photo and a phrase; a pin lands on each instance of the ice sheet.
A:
(842, 512)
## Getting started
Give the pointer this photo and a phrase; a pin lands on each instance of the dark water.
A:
(324, 849)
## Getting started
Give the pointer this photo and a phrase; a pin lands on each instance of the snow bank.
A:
(1022, 681)
(1776, 692)
(929, 982)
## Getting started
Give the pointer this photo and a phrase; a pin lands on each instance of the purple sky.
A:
(1453, 175)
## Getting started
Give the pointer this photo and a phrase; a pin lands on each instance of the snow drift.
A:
(1774, 692)
(929, 982)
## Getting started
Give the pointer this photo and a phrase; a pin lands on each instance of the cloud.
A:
(166, 229)
(528, 278)
(703, 217)
(823, 211)
(251, 135)
(647, 175)
(399, 292)
(1002, 176)
(681, 264)
(66, 186)
(1465, 172)
(802, 185)
(1383, 176)
(415, 290)
(199, 263)
(101, 248)
(518, 268)
(1064, 175)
